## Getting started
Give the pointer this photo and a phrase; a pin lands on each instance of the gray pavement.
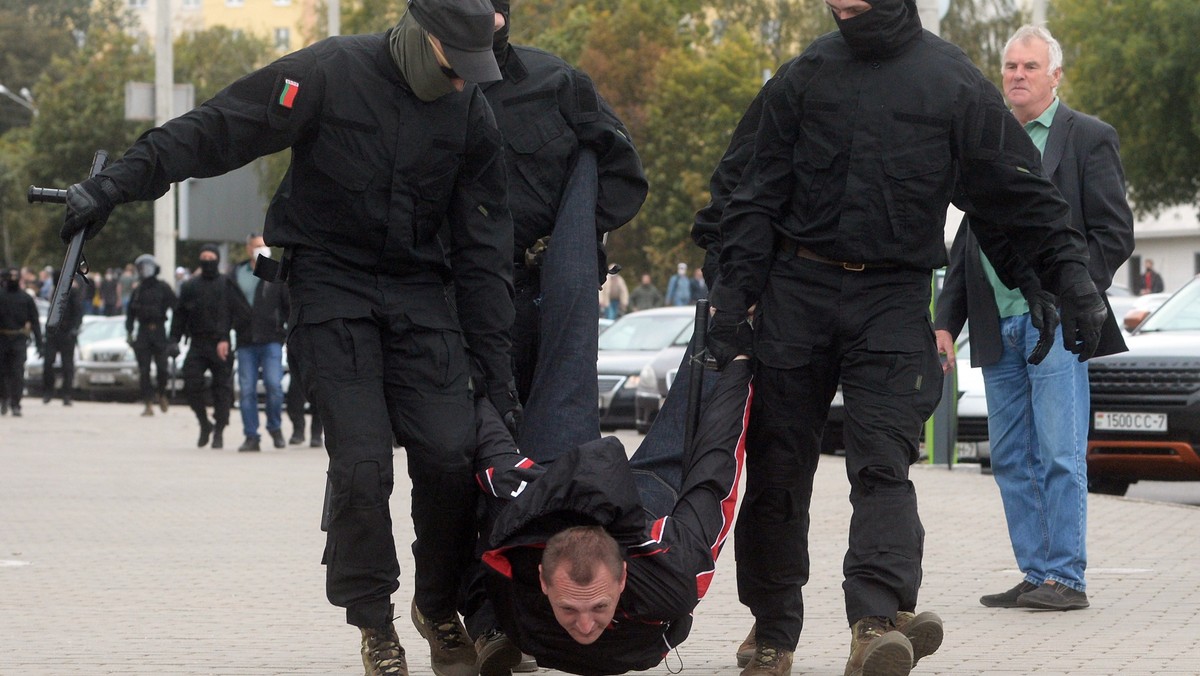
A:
(124, 549)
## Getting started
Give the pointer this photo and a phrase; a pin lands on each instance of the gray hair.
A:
(1029, 31)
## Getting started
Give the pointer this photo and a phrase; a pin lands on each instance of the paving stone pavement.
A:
(124, 549)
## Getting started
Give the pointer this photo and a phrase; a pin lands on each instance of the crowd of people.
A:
(435, 173)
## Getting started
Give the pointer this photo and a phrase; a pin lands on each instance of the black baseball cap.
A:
(464, 27)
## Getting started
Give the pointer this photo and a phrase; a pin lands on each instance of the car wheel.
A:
(1103, 485)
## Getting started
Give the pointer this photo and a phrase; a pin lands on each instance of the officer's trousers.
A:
(819, 324)
(372, 380)
(151, 345)
(59, 344)
(201, 357)
(12, 368)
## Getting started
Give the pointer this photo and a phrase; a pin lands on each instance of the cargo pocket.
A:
(917, 177)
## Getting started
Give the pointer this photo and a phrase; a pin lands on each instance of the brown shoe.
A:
(877, 649)
(924, 632)
(382, 654)
(745, 651)
(496, 654)
(164, 402)
(149, 411)
(451, 654)
(769, 661)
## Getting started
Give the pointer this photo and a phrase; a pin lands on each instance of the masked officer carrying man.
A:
(148, 306)
(18, 320)
(547, 111)
(388, 144)
(827, 246)
(210, 308)
(60, 344)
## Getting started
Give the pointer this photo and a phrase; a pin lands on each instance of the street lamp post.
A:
(25, 98)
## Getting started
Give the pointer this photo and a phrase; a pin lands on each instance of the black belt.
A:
(790, 246)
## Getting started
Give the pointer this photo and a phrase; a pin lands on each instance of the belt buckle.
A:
(854, 267)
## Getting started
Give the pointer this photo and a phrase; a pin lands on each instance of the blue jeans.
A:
(1038, 424)
(251, 359)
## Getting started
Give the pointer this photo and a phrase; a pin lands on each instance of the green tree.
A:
(213, 58)
(687, 132)
(782, 27)
(1137, 66)
(980, 28)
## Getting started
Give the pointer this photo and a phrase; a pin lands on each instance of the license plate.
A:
(103, 378)
(1120, 421)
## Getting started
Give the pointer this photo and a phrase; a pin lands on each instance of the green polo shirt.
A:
(1010, 301)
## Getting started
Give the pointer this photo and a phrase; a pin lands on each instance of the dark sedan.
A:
(625, 348)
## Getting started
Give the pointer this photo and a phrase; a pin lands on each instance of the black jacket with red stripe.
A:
(592, 484)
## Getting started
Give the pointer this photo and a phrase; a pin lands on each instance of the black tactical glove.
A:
(89, 204)
(1083, 314)
(173, 350)
(729, 334)
(129, 338)
(504, 397)
(1044, 317)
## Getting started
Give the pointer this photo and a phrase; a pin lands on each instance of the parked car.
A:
(655, 381)
(625, 348)
(1139, 309)
(1145, 410)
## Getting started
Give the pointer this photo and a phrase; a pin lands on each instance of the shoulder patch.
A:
(287, 96)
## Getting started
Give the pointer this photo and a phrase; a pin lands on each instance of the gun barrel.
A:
(50, 195)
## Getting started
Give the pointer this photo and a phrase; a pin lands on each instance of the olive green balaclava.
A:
(418, 64)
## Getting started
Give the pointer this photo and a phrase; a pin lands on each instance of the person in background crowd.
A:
(260, 347)
(60, 343)
(127, 279)
(1151, 281)
(110, 293)
(614, 297)
(148, 306)
(1038, 413)
(698, 289)
(646, 295)
(210, 307)
(18, 321)
(679, 288)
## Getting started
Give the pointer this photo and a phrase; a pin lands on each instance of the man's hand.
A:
(729, 334)
(945, 346)
(89, 204)
(173, 350)
(1083, 314)
(129, 338)
(223, 350)
(504, 397)
(1044, 317)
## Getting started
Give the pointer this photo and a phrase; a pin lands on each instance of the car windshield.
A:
(104, 329)
(1181, 312)
(644, 332)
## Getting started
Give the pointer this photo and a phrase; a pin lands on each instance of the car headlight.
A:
(631, 383)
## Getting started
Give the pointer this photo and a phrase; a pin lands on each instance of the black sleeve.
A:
(1107, 219)
(129, 309)
(242, 122)
(622, 185)
(951, 311)
(179, 318)
(481, 235)
(1000, 173)
(35, 322)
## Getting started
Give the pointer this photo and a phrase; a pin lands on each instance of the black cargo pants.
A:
(202, 356)
(399, 375)
(151, 345)
(820, 324)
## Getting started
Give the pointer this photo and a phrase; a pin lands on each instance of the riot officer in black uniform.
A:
(148, 305)
(18, 320)
(547, 111)
(210, 306)
(388, 143)
(61, 342)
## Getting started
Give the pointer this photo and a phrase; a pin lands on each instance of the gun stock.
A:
(74, 262)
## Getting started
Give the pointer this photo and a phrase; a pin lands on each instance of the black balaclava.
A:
(418, 64)
(500, 37)
(882, 31)
(209, 269)
(12, 279)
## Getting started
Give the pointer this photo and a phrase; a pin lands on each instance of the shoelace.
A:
(448, 635)
(765, 656)
(385, 652)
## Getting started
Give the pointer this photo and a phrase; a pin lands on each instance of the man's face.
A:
(848, 9)
(1028, 81)
(584, 610)
(253, 243)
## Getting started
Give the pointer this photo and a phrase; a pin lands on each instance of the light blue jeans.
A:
(1038, 424)
(251, 360)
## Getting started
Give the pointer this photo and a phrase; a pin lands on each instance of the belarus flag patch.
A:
(288, 95)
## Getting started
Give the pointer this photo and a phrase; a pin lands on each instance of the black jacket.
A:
(149, 303)
(268, 313)
(16, 310)
(374, 174)
(1082, 158)
(857, 159)
(547, 110)
(209, 308)
(591, 484)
